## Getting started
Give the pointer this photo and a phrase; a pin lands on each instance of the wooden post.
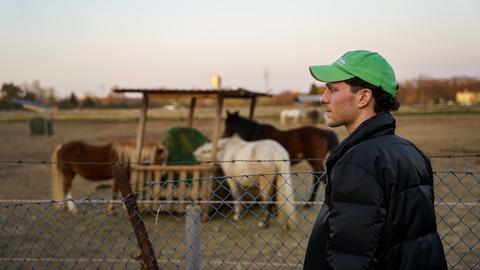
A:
(252, 107)
(147, 254)
(135, 176)
(207, 188)
(193, 101)
(141, 128)
(218, 126)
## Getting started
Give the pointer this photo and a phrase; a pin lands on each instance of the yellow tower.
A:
(216, 82)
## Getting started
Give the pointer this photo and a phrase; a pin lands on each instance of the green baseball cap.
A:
(366, 65)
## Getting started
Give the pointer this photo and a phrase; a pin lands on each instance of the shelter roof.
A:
(32, 105)
(308, 98)
(198, 93)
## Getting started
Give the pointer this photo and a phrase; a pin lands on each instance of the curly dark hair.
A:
(384, 102)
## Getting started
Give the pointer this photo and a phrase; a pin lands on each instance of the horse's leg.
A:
(111, 205)
(237, 208)
(67, 191)
(266, 194)
(318, 176)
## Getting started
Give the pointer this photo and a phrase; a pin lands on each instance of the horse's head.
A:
(161, 154)
(231, 124)
(204, 152)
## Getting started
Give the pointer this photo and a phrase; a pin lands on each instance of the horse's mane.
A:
(247, 128)
(126, 151)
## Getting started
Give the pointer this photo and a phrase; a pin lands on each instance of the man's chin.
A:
(332, 124)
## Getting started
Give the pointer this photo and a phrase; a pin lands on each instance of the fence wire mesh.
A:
(36, 235)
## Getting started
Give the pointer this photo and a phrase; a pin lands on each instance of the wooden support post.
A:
(207, 188)
(147, 254)
(218, 126)
(252, 107)
(141, 128)
(193, 102)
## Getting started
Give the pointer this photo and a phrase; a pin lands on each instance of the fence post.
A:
(192, 237)
(147, 254)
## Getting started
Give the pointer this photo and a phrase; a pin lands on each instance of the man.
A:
(378, 211)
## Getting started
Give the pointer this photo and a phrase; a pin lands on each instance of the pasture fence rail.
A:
(168, 232)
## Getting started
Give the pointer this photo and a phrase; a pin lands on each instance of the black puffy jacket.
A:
(378, 211)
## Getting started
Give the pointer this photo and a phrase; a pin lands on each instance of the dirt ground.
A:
(435, 135)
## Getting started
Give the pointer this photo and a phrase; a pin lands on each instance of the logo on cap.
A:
(341, 61)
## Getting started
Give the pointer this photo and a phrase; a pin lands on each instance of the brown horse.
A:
(94, 163)
(308, 143)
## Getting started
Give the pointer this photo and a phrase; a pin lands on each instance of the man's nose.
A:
(325, 98)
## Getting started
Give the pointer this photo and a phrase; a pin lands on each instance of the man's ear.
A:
(364, 97)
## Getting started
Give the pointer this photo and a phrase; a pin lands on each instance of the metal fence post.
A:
(192, 237)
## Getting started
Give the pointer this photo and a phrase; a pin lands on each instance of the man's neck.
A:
(363, 116)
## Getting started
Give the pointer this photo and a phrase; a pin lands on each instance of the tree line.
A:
(427, 90)
(47, 96)
(422, 90)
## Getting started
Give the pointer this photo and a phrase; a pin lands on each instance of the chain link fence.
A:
(36, 235)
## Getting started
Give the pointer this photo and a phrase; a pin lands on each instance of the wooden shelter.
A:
(180, 192)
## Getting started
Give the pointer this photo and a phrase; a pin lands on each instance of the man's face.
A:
(340, 105)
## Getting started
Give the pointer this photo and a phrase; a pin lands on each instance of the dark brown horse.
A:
(95, 163)
(308, 143)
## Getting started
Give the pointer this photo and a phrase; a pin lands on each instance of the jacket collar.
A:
(379, 124)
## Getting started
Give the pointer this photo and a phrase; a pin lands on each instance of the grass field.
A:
(204, 112)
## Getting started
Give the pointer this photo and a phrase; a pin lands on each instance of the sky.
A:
(91, 46)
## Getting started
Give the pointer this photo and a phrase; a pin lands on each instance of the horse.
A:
(307, 142)
(313, 116)
(94, 163)
(268, 177)
(292, 116)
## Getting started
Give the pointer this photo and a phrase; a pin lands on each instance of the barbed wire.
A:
(19, 203)
(48, 162)
(455, 156)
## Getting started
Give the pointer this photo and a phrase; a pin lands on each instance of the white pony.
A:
(292, 116)
(265, 175)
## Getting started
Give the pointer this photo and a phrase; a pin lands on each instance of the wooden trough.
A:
(154, 183)
(148, 180)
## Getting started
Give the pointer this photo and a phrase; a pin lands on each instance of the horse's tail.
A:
(57, 181)
(332, 140)
(285, 196)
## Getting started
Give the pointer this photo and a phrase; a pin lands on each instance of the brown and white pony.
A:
(94, 163)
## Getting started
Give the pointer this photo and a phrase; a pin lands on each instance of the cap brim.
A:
(329, 73)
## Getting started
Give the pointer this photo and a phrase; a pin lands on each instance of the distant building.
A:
(216, 82)
(467, 97)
